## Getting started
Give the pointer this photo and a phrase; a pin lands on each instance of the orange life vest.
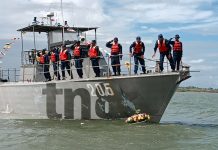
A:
(177, 46)
(138, 47)
(93, 52)
(42, 59)
(115, 48)
(63, 55)
(53, 57)
(162, 46)
(76, 51)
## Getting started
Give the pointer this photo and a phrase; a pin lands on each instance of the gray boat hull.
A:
(96, 98)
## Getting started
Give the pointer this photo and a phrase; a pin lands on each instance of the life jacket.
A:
(63, 55)
(76, 51)
(115, 48)
(138, 47)
(93, 52)
(162, 46)
(42, 59)
(53, 57)
(177, 46)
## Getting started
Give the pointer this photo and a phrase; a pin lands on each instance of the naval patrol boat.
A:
(105, 97)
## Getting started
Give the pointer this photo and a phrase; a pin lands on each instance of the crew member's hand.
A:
(142, 56)
(120, 55)
(131, 54)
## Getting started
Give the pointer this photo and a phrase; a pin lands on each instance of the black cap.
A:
(82, 39)
(94, 41)
(177, 36)
(43, 51)
(138, 38)
(77, 42)
(160, 36)
(115, 39)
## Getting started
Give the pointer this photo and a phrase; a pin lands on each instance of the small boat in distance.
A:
(105, 97)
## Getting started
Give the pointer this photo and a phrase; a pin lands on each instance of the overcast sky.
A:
(195, 21)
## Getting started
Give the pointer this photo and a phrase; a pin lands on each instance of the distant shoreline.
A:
(196, 89)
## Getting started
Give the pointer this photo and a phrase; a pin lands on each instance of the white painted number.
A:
(108, 90)
(92, 89)
(99, 89)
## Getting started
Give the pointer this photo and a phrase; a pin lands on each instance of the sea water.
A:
(189, 123)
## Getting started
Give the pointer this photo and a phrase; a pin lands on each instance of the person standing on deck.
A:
(165, 50)
(177, 51)
(54, 57)
(77, 55)
(65, 62)
(116, 55)
(33, 56)
(138, 53)
(94, 57)
(44, 61)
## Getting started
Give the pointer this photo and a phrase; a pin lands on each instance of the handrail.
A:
(10, 74)
(127, 64)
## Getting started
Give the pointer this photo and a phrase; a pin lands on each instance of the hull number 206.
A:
(103, 89)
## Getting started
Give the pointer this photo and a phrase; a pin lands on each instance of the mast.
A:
(62, 14)
(49, 34)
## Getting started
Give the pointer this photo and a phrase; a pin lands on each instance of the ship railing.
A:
(10, 74)
(127, 66)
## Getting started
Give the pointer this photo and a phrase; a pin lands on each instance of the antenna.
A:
(35, 22)
(50, 15)
(62, 14)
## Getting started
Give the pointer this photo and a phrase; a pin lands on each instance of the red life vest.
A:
(76, 51)
(93, 52)
(177, 46)
(115, 48)
(53, 57)
(162, 46)
(63, 55)
(138, 47)
(42, 59)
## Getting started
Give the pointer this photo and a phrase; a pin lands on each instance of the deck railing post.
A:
(34, 72)
(43, 69)
(108, 66)
(70, 68)
(15, 72)
(58, 65)
(8, 75)
(130, 64)
(88, 67)
(23, 73)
